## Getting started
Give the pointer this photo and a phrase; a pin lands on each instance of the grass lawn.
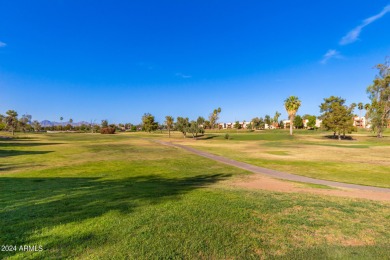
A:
(364, 160)
(91, 196)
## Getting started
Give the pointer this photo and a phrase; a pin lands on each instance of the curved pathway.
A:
(272, 173)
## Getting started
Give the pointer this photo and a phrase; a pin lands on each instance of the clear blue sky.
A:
(116, 60)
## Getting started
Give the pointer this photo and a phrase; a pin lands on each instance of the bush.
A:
(107, 130)
(227, 137)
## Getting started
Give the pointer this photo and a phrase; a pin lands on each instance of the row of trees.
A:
(338, 117)
(12, 123)
(261, 123)
(182, 124)
(335, 115)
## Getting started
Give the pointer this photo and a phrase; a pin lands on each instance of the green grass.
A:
(364, 173)
(263, 135)
(84, 196)
(363, 160)
(282, 153)
(313, 185)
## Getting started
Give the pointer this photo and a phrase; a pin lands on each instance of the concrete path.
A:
(272, 173)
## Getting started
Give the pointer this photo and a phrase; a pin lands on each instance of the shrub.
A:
(107, 130)
(227, 137)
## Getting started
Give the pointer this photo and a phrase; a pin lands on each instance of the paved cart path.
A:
(272, 173)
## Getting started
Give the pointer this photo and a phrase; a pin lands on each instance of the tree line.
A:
(336, 116)
(12, 122)
(183, 124)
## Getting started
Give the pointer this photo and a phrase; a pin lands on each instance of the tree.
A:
(24, 122)
(104, 123)
(148, 123)
(207, 124)
(281, 124)
(292, 105)
(3, 124)
(61, 118)
(201, 121)
(70, 125)
(182, 125)
(276, 117)
(336, 116)
(298, 122)
(12, 120)
(36, 125)
(214, 116)
(95, 128)
(267, 120)
(367, 108)
(128, 126)
(261, 123)
(311, 121)
(255, 123)
(237, 125)
(194, 129)
(360, 107)
(379, 94)
(169, 123)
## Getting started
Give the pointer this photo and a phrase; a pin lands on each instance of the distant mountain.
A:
(46, 123)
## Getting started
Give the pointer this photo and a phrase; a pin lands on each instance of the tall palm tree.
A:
(367, 108)
(292, 105)
(276, 117)
(61, 118)
(169, 122)
(360, 107)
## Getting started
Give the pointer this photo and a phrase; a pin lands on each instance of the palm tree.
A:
(61, 118)
(292, 105)
(367, 108)
(169, 122)
(12, 120)
(360, 107)
(276, 117)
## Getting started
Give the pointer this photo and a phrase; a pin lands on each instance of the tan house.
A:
(230, 125)
(305, 121)
(360, 122)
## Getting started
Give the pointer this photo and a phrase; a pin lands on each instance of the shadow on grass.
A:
(335, 137)
(17, 138)
(7, 153)
(17, 144)
(10, 167)
(207, 137)
(28, 205)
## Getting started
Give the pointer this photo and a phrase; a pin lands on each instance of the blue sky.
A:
(116, 60)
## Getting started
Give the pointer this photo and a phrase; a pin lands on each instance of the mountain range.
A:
(46, 123)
